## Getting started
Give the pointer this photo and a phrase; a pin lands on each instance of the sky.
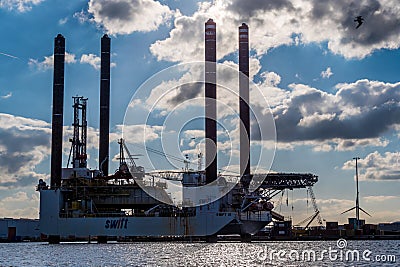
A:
(332, 91)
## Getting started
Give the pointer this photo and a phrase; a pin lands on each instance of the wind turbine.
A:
(357, 207)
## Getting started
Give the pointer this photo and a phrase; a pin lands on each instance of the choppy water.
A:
(200, 254)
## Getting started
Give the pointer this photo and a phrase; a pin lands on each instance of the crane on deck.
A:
(137, 172)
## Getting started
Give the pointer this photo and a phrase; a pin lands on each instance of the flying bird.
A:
(359, 20)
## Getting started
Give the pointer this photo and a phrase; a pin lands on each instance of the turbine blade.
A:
(348, 210)
(365, 212)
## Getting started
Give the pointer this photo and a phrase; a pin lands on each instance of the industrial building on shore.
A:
(14, 230)
(332, 230)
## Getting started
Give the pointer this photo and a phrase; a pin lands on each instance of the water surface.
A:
(201, 254)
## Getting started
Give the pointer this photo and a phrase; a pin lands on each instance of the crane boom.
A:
(136, 171)
(130, 157)
(307, 220)
(314, 203)
(316, 213)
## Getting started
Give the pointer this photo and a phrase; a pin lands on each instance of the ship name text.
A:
(117, 224)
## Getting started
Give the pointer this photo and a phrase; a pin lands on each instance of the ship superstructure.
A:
(85, 203)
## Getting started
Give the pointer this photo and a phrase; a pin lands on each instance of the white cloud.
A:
(8, 121)
(196, 134)
(171, 92)
(94, 61)
(335, 144)
(357, 114)
(63, 21)
(20, 205)
(126, 16)
(271, 78)
(376, 166)
(48, 61)
(24, 143)
(140, 134)
(315, 118)
(81, 16)
(185, 39)
(276, 23)
(375, 199)
(19, 5)
(327, 73)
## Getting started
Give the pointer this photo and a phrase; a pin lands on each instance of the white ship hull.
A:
(200, 225)
(206, 222)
